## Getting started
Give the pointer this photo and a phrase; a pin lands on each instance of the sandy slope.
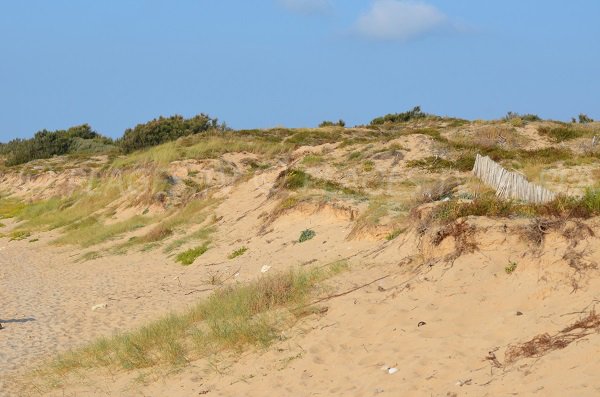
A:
(469, 309)
(468, 303)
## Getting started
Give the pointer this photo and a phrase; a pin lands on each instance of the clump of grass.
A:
(510, 268)
(19, 235)
(238, 252)
(464, 163)
(231, 319)
(489, 205)
(312, 160)
(10, 208)
(294, 179)
(199, 235)
(92, 231)
(563, 133)
(395, 233)
(306, 235)
(188, 257)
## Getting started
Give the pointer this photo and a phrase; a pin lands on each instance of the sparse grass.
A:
(463, 163)
(238, 252)
(395, 233)
(205, 146)
(313, 159)
(188, 257)
(489, 205)
(563, 133)
(294, 179)
(92, 231)
(232, 318)
(199, 235)
(306, 235)
(10, 208)
(19, 235)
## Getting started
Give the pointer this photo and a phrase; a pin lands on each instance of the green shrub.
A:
(327, 123)
(413, 114)
(188, 257)
(306, 235)
(166, 129)
(46, 144)
(524, 117)
(584, 119)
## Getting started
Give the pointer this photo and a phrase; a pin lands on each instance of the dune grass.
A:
(203, 146)
(92, 231)
(199, 235)
(189, 256)
(231, 319)
(238, 252)
(489, 205)
(10, 208)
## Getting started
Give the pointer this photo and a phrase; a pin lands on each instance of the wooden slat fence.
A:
(509, 185)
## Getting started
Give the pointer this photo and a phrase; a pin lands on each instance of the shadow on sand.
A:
(17, 320)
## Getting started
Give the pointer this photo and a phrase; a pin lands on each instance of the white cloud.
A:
(399, 20)
(307, 7)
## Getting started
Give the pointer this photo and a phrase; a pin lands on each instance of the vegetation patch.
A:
(294, 179)
(188, 257)
(410, 115)
(489, 205)
(232, 318)
(19, 235)
(563, 133)
(510, 268)
(306, 235)
(238, 252)
(437, 164)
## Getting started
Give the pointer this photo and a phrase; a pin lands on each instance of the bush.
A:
(306, 235)
(413, 114)
(525, 117)
(46, 144)
(584, 119)
(166, 129)
(327, 123)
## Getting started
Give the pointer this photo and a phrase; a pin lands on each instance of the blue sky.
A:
(264, 63)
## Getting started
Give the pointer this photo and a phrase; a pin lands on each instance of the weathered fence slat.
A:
(509, 185)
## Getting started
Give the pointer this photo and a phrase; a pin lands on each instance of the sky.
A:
(294, 63)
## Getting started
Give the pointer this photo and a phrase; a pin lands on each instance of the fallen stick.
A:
(347, 292)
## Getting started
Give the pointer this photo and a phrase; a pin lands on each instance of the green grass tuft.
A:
(238, 252)
(188, 257)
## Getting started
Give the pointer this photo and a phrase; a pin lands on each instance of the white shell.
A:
(265, 268)
(392, 371)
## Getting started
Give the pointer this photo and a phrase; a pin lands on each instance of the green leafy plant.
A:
(512, 266)
(306, 235)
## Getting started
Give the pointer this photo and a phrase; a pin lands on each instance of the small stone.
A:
(519, 313)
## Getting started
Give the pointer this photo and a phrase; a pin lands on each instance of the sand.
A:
(412, 318)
